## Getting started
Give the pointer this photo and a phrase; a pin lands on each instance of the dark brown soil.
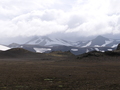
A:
(60, 73)
(23, 70)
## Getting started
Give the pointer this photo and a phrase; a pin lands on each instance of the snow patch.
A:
(88, 44)
(115, 45)
(4, 48)
(42, 50)
(109, 49)
(87, 51)
(97, 49)
(74, 50)
(102, 51)
(107, 42)
(96, 46)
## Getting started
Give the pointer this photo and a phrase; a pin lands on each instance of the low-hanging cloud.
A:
(38, 17)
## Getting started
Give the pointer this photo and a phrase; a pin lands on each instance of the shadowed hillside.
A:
(102, 55)
(16, 53)
(22, 53)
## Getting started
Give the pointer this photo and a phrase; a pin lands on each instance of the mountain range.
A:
(44, 44)
(99, 41)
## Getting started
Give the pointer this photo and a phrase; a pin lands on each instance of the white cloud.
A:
(25, 25)
(42, 17)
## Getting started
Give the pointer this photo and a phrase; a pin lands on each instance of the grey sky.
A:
(44, 17)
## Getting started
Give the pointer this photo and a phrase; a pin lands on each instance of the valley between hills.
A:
(24, 70)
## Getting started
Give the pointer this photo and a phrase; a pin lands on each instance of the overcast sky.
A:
(68, 17)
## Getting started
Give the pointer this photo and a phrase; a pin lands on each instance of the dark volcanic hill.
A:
(16, 52)
(98, 54)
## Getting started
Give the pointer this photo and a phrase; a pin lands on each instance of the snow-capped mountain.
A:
(46, 41)
(100, 41)
(47, 44)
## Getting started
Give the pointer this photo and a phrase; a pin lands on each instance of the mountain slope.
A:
(100, 41)
(46, 41)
